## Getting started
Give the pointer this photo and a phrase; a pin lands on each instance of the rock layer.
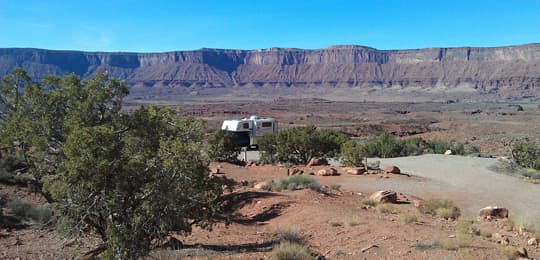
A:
(484, 69)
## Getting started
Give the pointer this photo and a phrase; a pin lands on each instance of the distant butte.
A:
(486, 70)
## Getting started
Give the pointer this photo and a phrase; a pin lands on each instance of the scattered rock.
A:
(497, 236)
(215, 171)
(169, 242)
(327, 172)
(384, 196)
(532, 242)
(250, 164)
(317, 162)
(295, 171)
(392, 169)
(356, 171)
(262, 185)
(368, 248)
(493, 212)
(522, 252)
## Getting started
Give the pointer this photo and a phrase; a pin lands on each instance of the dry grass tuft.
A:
(440, 207)
(288, 251)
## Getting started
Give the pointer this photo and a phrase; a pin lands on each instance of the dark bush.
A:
(298, 145)
(387, 146)
(221, 148)
(39, 214)
(351, 153)
(526, 154)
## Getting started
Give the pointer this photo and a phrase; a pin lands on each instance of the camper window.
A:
(245, 125)
(267, 124)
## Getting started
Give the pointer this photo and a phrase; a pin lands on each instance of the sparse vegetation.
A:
(40, 215)
(408, 217)
(370, 202)
(434, 244)
(354, 223)
(510, 252)
(387, 146)
(290, 234)
(527, 222)
(288, 251)
(291, 245)
(334, 186)
(297, 182)
(440, 207)
(336, 224)
(387, 208)
(514, 169)
(457, 242)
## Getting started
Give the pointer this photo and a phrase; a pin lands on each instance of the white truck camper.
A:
(243, 131)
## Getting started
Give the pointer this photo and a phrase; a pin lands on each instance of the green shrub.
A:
(289, 234)
(370, 202)
(221, 148)
(298, 145)
(297, 182)
(291, 251)
(526, 154)
(457, 242)
(39, 214)
(513, 169)
(351, 153)
(408, 217)
(440, 207)
(383, 146)
(387, 208)
(427, 245)
(387, 146)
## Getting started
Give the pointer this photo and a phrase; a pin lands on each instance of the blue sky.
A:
(153, 26)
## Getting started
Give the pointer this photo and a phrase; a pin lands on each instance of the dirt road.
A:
(465, 180)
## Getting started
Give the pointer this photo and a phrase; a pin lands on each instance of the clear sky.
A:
(151, 26)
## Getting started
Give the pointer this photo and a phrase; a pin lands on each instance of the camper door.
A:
(264, 127)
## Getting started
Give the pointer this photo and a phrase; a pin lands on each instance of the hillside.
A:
(487, 70)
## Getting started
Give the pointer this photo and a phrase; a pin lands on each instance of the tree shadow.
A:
(235, 201)
(239, 248)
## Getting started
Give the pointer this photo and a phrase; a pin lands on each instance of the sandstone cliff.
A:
(515, 68)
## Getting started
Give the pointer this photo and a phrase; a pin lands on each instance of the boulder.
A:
(317, 162)
(168, 242)
(356, 171)
(384, 196)
(327, 172)
(215, 171)
(392, 169)
(448, 152)
(295, 171)
(532, 242)
(493, 212)
(262, 185)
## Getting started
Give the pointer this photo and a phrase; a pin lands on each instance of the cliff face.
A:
(485, 69)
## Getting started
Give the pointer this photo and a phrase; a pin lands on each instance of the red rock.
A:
(384, 196)
(392, 169)
(356, 171)
(327, 172)
(493, 212)
(317, 162)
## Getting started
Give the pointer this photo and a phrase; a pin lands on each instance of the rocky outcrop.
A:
(484, 69)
